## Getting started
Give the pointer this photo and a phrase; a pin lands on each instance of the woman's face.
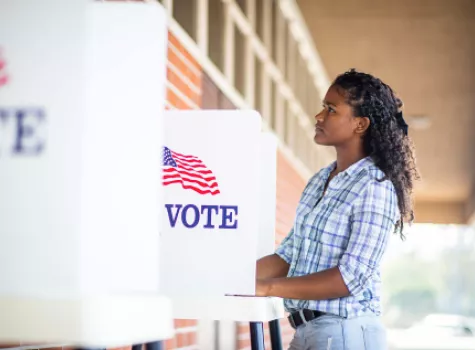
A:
(335, 124)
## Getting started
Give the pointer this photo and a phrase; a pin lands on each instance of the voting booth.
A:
(219, 190)
(81, 104)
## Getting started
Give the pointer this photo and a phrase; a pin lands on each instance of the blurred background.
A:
(279, 57)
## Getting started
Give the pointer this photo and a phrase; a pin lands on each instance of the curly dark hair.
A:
(385, 141)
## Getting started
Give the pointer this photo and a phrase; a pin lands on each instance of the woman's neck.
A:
(346, 157)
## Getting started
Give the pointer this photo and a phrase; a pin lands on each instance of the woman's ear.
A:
(362, 125)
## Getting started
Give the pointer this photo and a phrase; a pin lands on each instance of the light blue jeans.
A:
(335, 333)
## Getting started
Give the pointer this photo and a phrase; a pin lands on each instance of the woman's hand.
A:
(263, 287)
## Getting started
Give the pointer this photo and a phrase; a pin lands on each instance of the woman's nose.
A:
(319, 117)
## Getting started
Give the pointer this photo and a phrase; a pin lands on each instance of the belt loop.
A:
(302, 316)
(292, 322)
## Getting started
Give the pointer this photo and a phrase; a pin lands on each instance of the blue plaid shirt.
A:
(348, 227)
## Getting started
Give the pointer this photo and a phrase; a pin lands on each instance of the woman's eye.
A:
(328, 108)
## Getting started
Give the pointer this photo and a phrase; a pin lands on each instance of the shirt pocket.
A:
(333, 236)
(331, 248)
(318, 255)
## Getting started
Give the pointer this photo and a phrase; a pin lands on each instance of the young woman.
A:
(328, 268)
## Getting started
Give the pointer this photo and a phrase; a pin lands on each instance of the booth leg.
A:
(275, 336)
(257, 335)
(156, 345)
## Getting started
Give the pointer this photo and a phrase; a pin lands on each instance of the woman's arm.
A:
(322, 285)
(271, 266)
(371, 225)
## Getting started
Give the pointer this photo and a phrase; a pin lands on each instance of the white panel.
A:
(80, 143)
(268, 199)
(228, 308)
(217, 255)
(122, 146)
(80, 131)
(41, 110)
(206, 334)
(227, 334)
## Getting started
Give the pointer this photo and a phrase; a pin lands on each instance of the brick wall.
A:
(184, 77)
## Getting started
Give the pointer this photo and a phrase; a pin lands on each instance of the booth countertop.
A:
(232, 308)
(86, 322)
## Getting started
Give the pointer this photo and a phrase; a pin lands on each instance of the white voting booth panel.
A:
(219, 193)
(228, 308)
(81, 103)
(210, 215)
(267, 195)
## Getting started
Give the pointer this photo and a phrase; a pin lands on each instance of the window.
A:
(242, 4)
(274, 34)
(185, 11)
(260, 19)
(258, 85)
(240, 71)
(215, 32)
(273, 110)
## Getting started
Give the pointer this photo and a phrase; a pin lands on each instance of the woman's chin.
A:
(320, 139)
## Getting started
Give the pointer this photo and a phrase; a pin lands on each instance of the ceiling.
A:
(425, 50)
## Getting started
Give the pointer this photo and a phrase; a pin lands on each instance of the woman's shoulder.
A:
(377, 193)
(373, 180)
(372, 176)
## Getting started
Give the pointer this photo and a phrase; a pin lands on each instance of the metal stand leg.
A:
(257, 335)
(275, 337)
(156, 345)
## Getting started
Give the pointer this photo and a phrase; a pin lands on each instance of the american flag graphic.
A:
(3, 74)
(189, 171)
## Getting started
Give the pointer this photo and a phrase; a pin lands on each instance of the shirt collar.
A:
(353, 169)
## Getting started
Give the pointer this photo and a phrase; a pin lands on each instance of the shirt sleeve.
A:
(286, 248)
(372, 221)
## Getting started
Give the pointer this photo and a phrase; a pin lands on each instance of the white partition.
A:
(267, 195)
(219, 192)
(81, 103)
(211, 178)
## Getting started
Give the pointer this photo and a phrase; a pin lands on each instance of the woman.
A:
(328, 268)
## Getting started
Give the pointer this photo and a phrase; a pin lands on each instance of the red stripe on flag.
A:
(190, 166)
(196, 189)
(199, 176)
(201, 183)
(183, 155)
(188, 160)
(195, 170)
